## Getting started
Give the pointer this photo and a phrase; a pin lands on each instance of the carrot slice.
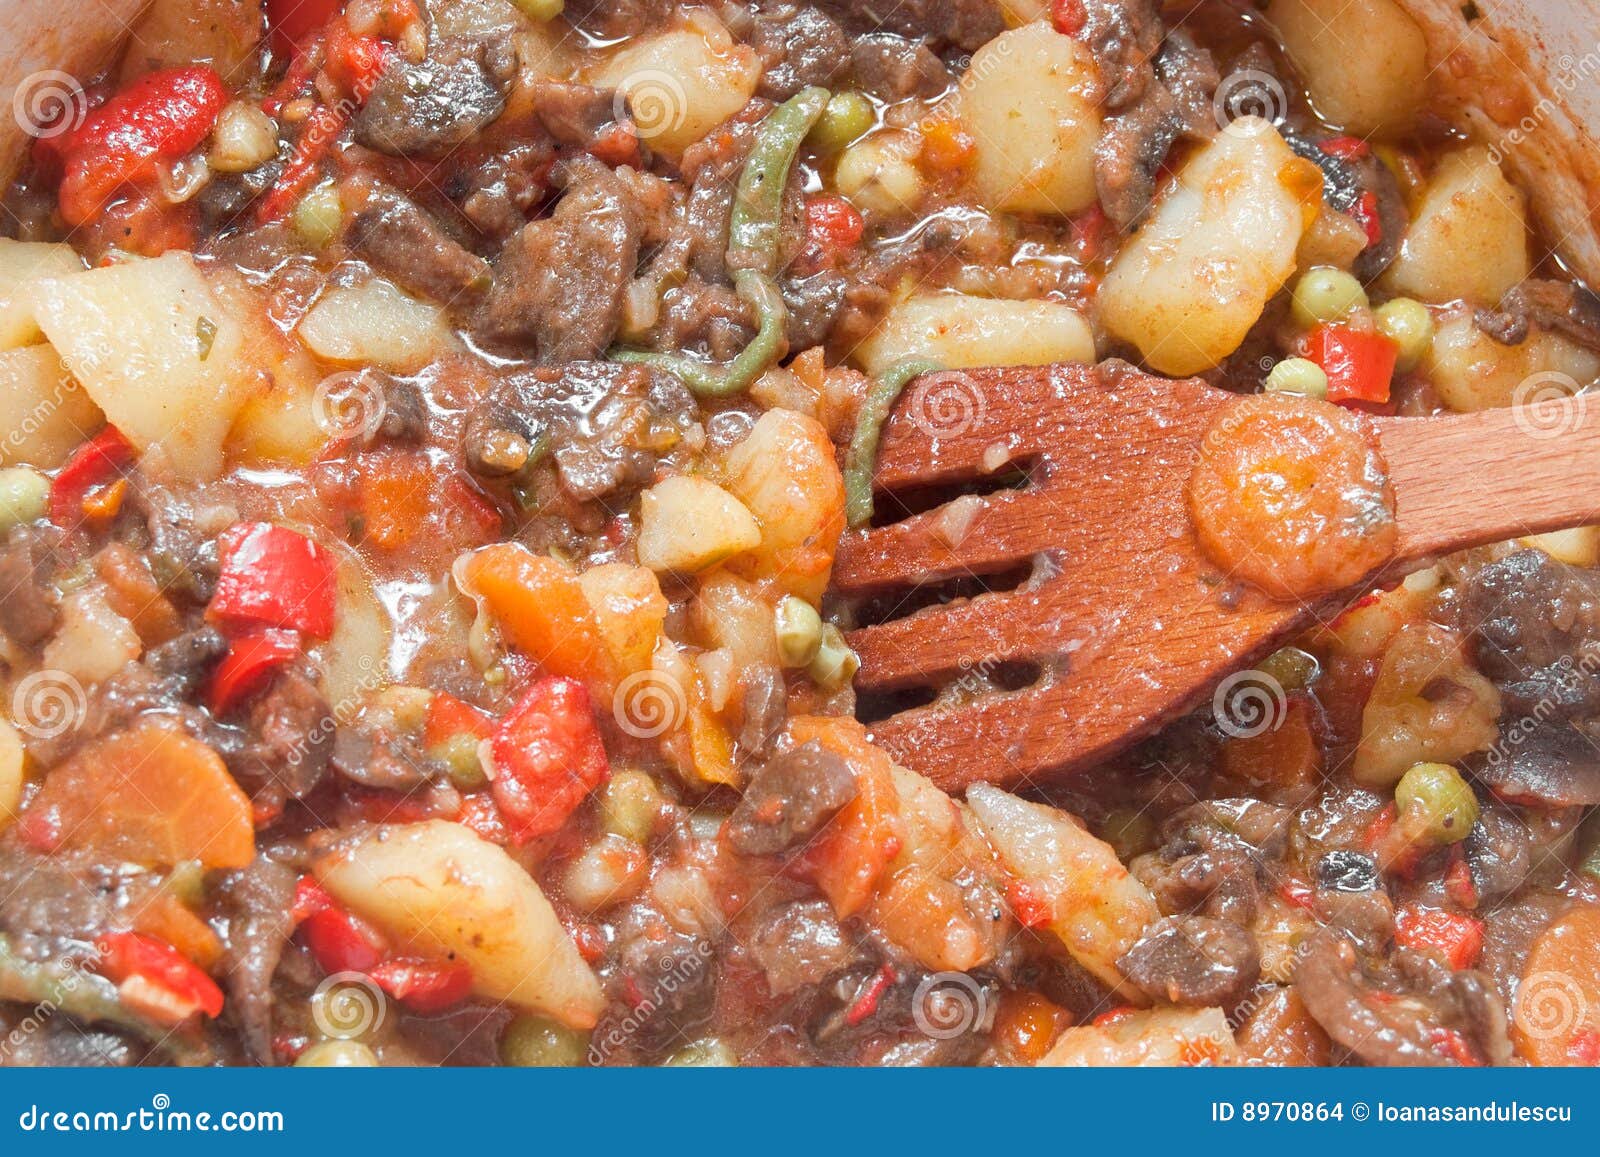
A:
(852, 852)
(539, 604)
(1557, 1008)
(150, 796)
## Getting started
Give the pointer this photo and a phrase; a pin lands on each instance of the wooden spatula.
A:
(1125, 623)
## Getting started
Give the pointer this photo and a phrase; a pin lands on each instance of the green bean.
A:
(754, 225)
(862, 456)
(709, 380)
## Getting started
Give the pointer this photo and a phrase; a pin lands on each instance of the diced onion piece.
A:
(442, 892)
(689, 524)
(12, 758)
(1098, 910)
(1577, 546)
(93, 642)
(375, 324)
(960, 331)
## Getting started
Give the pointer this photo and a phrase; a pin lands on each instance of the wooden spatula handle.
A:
(1470, 479)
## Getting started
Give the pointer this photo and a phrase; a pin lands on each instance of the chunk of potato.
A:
(1575, 546)
(1471, 371)
(1029, 101)
(1469, 236)
(1219, 243)
(960, 331)
(690, 524)
(786, 475)
(1158, 1037)
(21, 264)
(1098, 909)
(1428, 705)
(1365, 62)
(630, 609)
(277, 422)
(43, 410)
(155, 350)
(682, 83)
(375, 324)
(441, 891)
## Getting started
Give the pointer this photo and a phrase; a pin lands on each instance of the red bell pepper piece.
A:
(1366, 211)
(159, 117)
(340, 940)
(1068, 16)
(102, 459)
(1359, 365)
(322, 129)
(275, 577)
(547, 756)
(1030, 904)
(449, 717)
(424, 986)
(1345, 148)
(354, 62)
(1459, 939)
(250, 661)
(155, 977)
(293, 22)
(833, 224)
(867, 1003)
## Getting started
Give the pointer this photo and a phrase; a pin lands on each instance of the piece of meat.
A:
(1356, 187)
(765, 709)
(428, 108)
(892, 68)
(1562, 307)
(402, 241)
(964, 24)
(662, 981)
(574, 114)
(610, 19)
(559, 283)
(799, 945)
(497, 195)
(1509, 931)
(1193, 960)
(1542, 765)
(374, 758)
(1499, 852)
(799, 46)
(1402, 1020)
(599, 421)
(1535, 626)
(1124, 37)
(1220, 884)
(790, 797)
(257, 902)
(813, 305)
(29, 607)
(289, 738)
(1174, 103)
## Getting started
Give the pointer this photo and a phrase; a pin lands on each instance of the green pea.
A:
(532, 1042)
(337, 1054)
(24, 494)
(1326, 294)
(710, 1053)
(629, 805)
(835, 663)
(319, 215)
(459, 754)
(1294, 669)
(1409, 325)
(1298, 376)
(799, 630)
(846, 116)
(1437, 802)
